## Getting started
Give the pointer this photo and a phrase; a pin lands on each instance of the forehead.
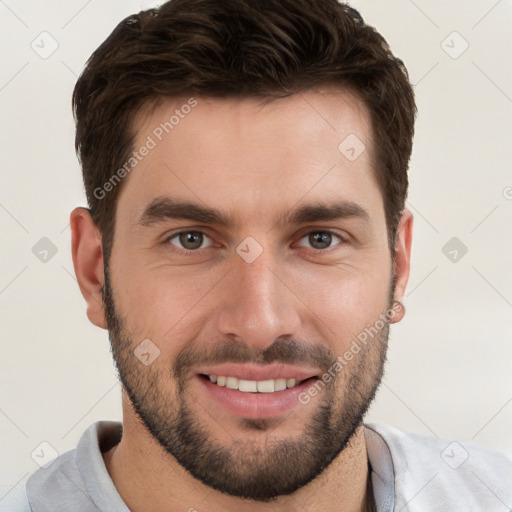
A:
(253, 154)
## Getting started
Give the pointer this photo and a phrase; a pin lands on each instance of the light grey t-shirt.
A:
(410, 473)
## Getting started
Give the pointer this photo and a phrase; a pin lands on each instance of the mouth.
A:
(249, 391)
(255, 386)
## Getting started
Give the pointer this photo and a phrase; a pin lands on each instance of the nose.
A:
(258, 303)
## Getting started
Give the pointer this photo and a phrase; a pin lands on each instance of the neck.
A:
(147, 478)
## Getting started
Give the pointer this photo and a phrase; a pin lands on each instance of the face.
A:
(251, 252)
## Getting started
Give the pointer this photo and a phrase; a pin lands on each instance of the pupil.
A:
(322, 239)
(191, 240)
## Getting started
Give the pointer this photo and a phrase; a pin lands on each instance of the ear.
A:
(402, 266)
(88, 262)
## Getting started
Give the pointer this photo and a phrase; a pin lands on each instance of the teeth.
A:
(248, 386)
(232, 382)
(253, 386)
(280, 384)
(290, 383)
(265, 386)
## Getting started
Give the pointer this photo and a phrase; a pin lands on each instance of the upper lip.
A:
(251, 371)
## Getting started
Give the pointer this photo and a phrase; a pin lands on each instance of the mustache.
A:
(283, 350)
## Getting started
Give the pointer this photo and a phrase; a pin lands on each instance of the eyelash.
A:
(190, 251)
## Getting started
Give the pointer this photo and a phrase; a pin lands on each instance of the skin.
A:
(255, 161)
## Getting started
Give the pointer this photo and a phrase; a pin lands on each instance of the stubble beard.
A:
(256, 465)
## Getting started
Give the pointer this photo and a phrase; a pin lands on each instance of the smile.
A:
(248, 390)
(253, 386)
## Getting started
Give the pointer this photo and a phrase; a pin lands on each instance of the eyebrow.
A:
(163, 208)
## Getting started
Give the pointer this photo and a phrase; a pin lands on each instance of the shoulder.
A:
(57, 474)
(429, 470)
(77, 479)
(39, 485)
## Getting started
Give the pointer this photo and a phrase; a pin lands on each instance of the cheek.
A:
(345, 301)
(167, 304)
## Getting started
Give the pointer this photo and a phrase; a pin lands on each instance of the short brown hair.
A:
(220, 48)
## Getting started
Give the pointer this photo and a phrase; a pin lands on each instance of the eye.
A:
(321, 239)
(189, 240)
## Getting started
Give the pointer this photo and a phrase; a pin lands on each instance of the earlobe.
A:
(402, 264)
(87, 254)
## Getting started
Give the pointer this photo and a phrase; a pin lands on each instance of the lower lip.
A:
(254, 405)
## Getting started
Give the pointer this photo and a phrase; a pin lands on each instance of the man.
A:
(247, 247)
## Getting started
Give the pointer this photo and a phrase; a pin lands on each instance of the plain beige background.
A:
(449, 362)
